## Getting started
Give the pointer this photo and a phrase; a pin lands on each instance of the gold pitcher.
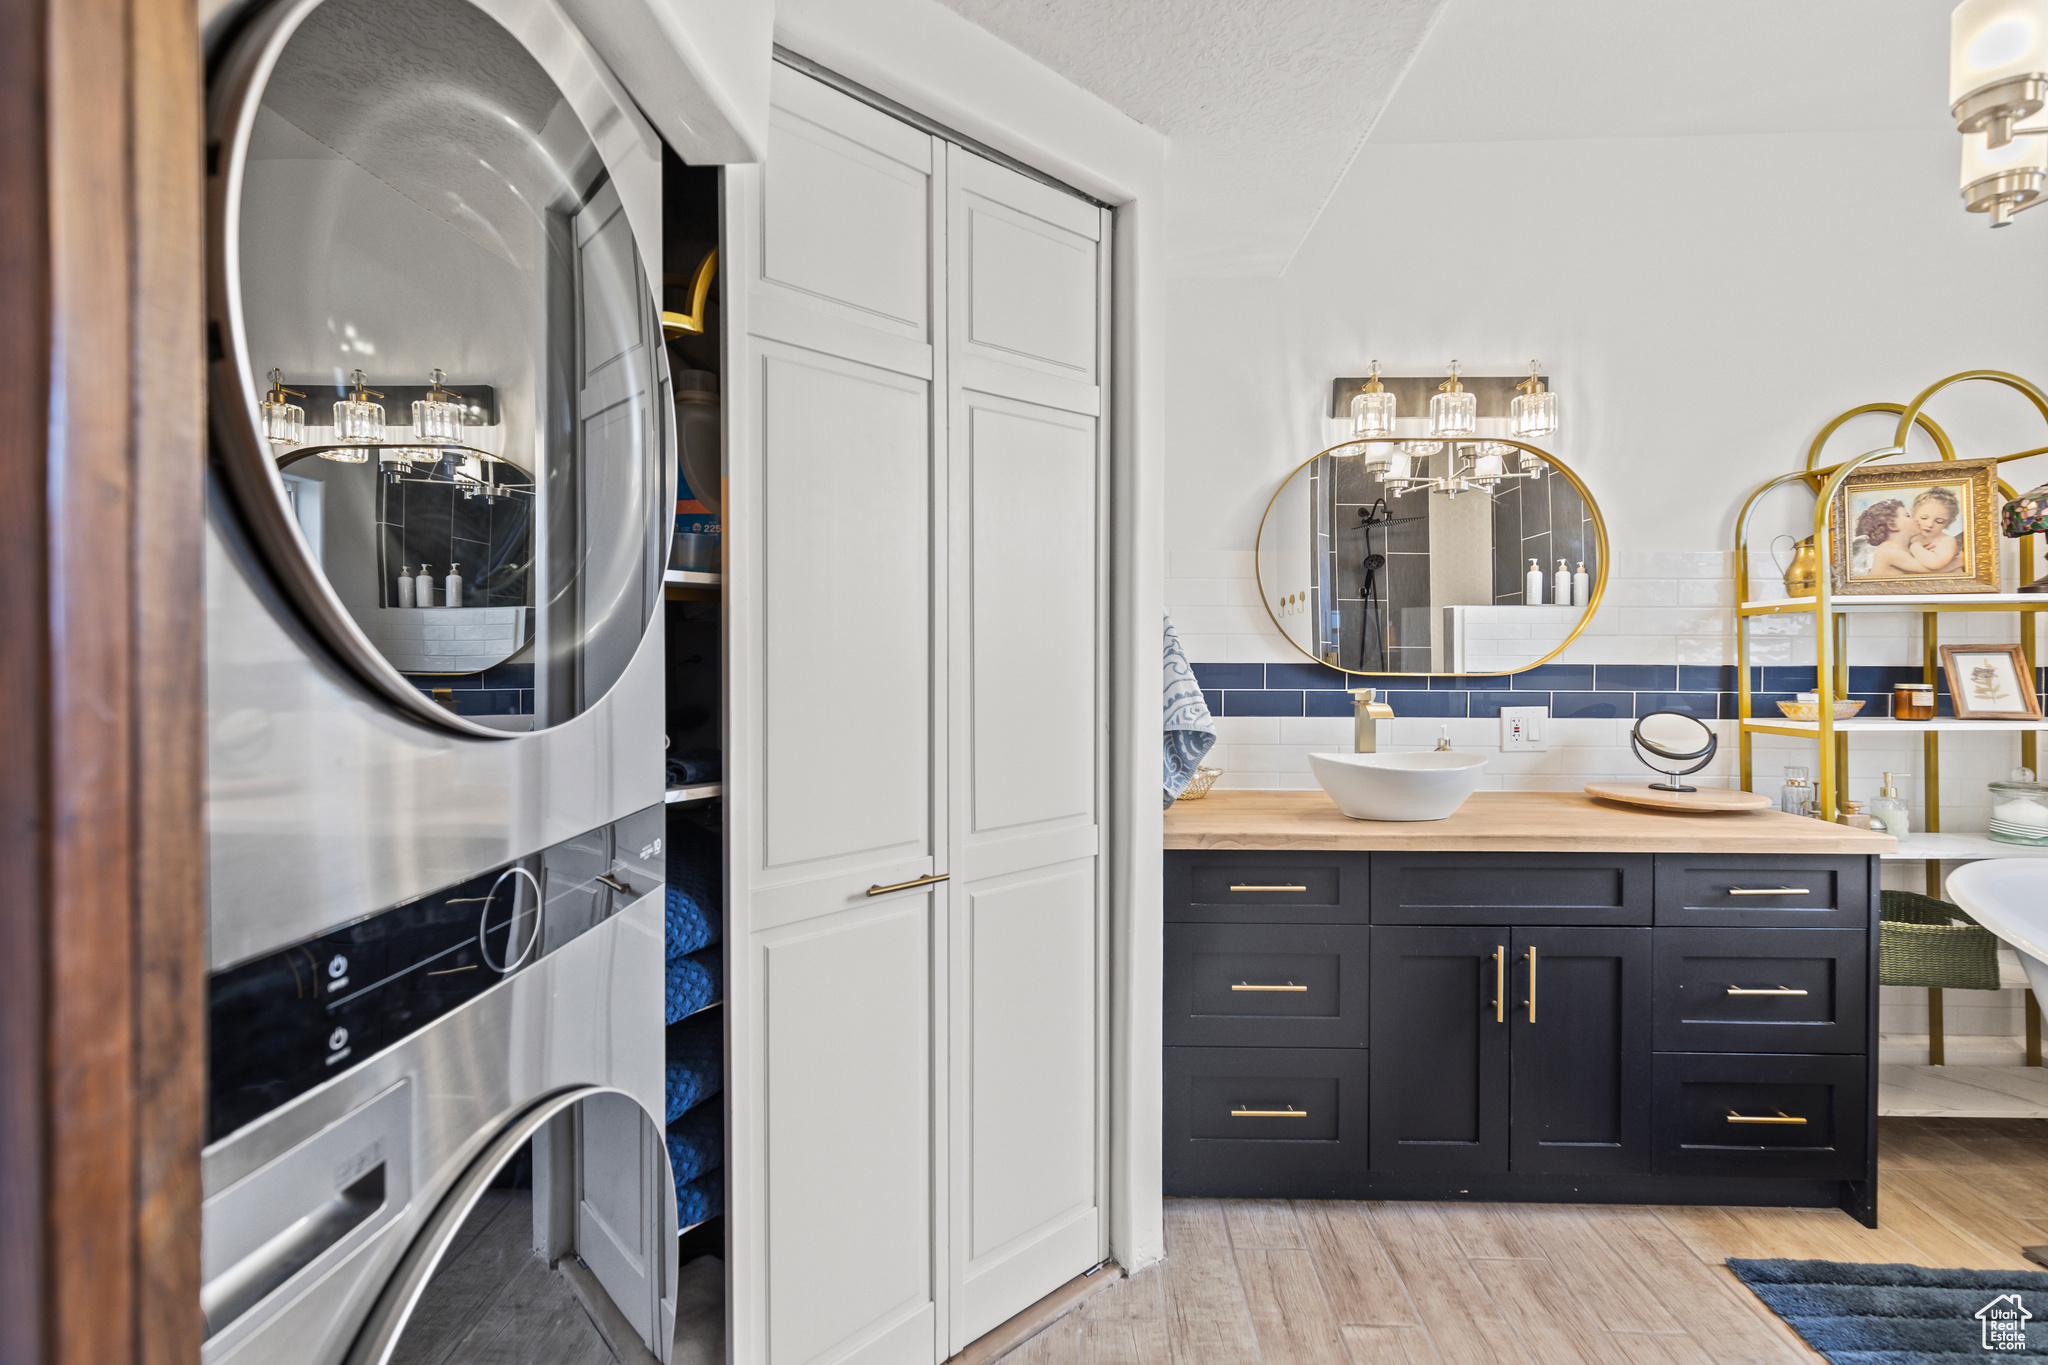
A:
(1802, 577)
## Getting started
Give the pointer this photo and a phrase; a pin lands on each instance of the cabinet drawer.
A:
(1266, 985)
(1253, 886)
(1762, 891)
(1262, 1121)
(1762, 990)
(1511, 888)
(1760, 1115)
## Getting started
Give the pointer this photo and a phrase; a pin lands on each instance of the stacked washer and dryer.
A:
(444, 452)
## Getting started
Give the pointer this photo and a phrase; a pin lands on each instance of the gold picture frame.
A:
(1916, 528)
(1990, 674)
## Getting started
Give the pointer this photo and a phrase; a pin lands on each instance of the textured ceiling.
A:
(1266, 101)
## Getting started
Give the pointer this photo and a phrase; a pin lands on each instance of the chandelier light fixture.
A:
(1533, 412)
(1372, 410)
(435, 419)
(284, 423)
(1453, 411)
(357, 422)
(1998, 75)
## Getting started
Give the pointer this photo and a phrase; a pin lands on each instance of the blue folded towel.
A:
(702, 1198)
(696, 1063)
(696, 1142)
(1189, 731)
(695, 877)
(693, 982)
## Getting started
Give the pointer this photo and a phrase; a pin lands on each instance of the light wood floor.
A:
(1268, 1282)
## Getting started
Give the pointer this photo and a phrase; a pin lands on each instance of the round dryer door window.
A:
(438, 392)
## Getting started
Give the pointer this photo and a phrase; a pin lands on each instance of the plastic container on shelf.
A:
(2019, 810)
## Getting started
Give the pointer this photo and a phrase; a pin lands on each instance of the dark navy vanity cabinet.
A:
(1625, 1027)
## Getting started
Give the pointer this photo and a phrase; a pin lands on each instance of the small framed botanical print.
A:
(1916, 528)
(1990, 682)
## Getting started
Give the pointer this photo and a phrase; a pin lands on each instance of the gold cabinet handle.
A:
(1774, 990)
(1247, 986)
(1500, 985)
(1768, 891)
(1269, 888)
(1780, 1117)
(1290, 1112)
(905, 886)
(1531, 1001)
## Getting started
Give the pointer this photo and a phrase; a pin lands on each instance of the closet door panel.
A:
(847, 596)
(847, 224)
(847, 1020)
(1027, 1028)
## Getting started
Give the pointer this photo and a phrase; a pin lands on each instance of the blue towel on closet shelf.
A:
(702, 1198)
(695, 878)
(696, 1142)
(693, 982)
(696, 1063)
(1190, 733)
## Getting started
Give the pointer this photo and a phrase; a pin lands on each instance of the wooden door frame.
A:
(102, 458)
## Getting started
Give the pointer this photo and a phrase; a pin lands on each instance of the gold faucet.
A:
(1365, 735)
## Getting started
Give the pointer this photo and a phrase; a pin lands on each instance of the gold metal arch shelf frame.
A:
(1578, 627)
(1831, 665)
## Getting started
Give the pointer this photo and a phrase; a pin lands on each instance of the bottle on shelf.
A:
(1532, 585)
(1889, 811)
(423, 587)
(405, 585)
(1582, 586)
(1798, 794)
(1561, 585)
(452, 587)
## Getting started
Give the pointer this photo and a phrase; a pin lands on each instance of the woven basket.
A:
(1919, 944)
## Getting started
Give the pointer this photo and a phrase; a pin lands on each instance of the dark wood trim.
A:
(101, 415)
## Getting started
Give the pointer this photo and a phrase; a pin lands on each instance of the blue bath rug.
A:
(1905, 1314)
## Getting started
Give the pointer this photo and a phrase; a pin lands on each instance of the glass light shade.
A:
(358, 421)
(1454, 414)
(2019, 156)
(2027, 513)
(1372, 414)
(1533, 414)
(434, 420)
(1421, 449)
(1532, 464)
(1373, 459)
(284, 423)
(1400, 466)
(1488, 466)
(1994, 41)
(345, 456)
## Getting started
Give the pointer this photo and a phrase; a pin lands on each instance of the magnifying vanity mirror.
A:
(439, 395)
(1412, 556)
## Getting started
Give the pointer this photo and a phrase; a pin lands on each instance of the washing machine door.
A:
(556, 1247)
(439, 397)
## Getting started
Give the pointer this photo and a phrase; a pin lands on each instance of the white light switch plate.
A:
(1524, 727)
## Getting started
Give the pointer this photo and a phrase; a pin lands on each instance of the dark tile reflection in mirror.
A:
(1545, 520)
(432, 523)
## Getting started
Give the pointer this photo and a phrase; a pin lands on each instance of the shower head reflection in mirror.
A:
(1399, 578)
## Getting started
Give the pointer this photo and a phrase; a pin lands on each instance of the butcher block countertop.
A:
(1505, 822)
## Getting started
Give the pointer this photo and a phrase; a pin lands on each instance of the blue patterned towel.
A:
(696, 1063)
(695, 876)
(696, 1142)
(693, 982)
(702, 1198)
(1190, 733)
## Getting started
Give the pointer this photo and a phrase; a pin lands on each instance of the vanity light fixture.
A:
(284, 424)
(1372, 410)
(1998, 75)
(357, 421)
(1453, 411)
(435, 418)
(1533, 412)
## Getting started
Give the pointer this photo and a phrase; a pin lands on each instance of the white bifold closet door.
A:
(916, 544)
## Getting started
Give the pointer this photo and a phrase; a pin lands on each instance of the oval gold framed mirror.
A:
(1376, 557)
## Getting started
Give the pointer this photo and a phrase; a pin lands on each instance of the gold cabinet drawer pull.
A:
(1768, 891)
(905, 886)
(1774, 990)
(1269, 888)
(1247, 986)
(1780, 1117)
(1500, 985)
(1290, 1112)
(1531, 1001)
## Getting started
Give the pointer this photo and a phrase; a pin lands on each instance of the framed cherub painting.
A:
(1916, 528)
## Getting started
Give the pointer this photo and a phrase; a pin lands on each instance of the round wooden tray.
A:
(1705, 801)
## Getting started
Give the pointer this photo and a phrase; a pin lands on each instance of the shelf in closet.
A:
(1884, 725)
(1922, 846)
(692, 578)
(696, 791)
(1896, 601)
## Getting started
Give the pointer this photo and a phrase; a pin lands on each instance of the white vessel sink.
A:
(1398, 786)
(2009, 896)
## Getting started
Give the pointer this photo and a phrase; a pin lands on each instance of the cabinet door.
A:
(1439, 1083)
(1024, 359)
(1580, 1012)
(836, 740)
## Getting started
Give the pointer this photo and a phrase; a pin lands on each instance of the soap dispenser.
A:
(1532, 586)
(1582, 586)
(452, 597)
(405, 586)
(423, 588)
(1797, 797)
(1561, 588)
(1889, 812)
